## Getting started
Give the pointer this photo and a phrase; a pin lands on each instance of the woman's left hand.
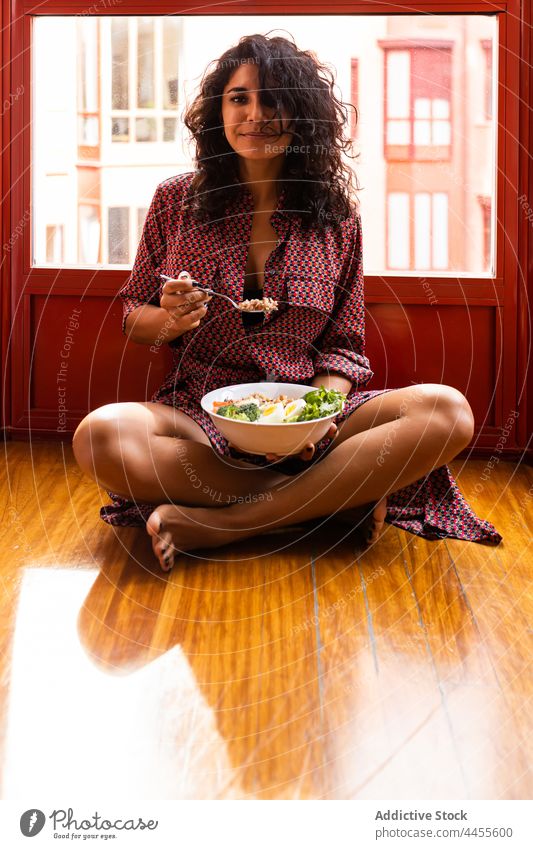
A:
(308, 452)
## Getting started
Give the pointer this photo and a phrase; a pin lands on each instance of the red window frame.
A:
(501, 291)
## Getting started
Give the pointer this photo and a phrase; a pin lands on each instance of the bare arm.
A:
(153, 313)
(147, 323)
(332, 381)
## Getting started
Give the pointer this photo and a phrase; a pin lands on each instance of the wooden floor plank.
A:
(397, 723)
(292, 665)
(497, 587)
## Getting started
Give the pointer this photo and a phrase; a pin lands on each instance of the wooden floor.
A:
(287, 666)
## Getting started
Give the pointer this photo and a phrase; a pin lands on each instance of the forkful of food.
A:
(189, 285)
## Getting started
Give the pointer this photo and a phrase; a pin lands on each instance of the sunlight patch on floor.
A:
(74, 728)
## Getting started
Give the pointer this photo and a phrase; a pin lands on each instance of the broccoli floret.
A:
(244, 412)
(251, 411)
(225, 411)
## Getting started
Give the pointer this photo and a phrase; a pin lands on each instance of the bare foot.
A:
(176, 528)
(374, 526)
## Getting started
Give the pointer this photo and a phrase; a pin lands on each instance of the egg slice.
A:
(294, 408)
(272, 413)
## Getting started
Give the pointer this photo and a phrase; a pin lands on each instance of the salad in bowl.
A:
(273, 418)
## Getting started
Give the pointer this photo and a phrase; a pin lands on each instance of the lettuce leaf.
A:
(321, 402)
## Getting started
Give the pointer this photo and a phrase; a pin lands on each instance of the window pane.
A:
(145, 64)
(89, 219)
(422, 107)
(120, 129)
(120, 66)
(441, 108)
(398, 132)
(398, 84)
(145, 129)
(88, 65)
(118, 234)
(440, 230)
(89, 129)
(54, 243)
(94, 61)
(422, 230)
(398, 246)
(170, 127)
(441, 132)
(170, 62)
(141, 215)
(422, 132)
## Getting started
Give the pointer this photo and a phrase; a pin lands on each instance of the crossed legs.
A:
(154, 453)
(145, 452)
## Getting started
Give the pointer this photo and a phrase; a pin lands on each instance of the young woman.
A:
(268, 211)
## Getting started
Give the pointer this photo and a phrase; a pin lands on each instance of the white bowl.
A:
(260, 437)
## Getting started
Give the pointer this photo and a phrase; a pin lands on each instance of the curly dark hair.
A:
(319, 185)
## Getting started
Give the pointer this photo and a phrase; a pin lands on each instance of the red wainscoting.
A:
(476, 334)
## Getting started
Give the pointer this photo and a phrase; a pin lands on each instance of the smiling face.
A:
(250, 125)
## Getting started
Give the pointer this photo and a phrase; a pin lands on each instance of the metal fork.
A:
(198, 285)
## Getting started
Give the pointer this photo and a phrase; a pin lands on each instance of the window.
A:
(424, 246)
(145, 63)
(397, 98)
(398, 230)
(145, 129)
(120, 63)
(144, 81)
(54, 243)
(88, 100)
(431, 121)
(418, 102)
(89, 234)
(124, 230)
(118, 236)
(120, 129)
(141, 216)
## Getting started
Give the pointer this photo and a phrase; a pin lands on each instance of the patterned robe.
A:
(317, 280)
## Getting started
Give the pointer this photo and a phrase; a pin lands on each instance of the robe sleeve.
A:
(341, 346)
(143, 284)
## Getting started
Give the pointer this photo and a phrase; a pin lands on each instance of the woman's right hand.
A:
(186, 305)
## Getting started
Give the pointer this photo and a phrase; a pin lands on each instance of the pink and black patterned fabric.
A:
(319, 327)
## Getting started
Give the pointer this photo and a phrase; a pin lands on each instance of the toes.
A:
(163, 550)
(154, 524)
(167, 562)
(161, 541)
